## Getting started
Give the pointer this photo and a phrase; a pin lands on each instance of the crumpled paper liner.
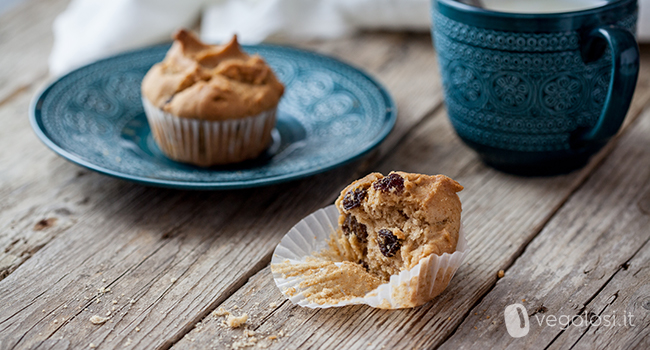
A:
(409, 288)
(207, 142)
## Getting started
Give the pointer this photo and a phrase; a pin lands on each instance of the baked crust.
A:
(211, 82)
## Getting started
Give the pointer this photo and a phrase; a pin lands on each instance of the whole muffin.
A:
(210, 104)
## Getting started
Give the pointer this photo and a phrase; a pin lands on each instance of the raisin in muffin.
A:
(389, 223)
(210, 104)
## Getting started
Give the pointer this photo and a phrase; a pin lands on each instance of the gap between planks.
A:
(18, 91)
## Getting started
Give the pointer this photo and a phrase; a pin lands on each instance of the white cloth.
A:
(643, 23)
(91, 29)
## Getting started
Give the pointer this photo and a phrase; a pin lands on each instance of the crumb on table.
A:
(96, 319)
(236, 321)
(220, 312)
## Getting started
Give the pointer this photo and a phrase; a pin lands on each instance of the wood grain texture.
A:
(501, 213)
(74, 244)
(580, 264)
(25, 43)
(627, 293)
(135, 240)
(25, 199)
(263, 303)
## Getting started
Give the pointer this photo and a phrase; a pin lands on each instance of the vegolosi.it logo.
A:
(517, 322)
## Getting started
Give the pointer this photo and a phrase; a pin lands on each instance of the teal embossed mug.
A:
(536, 93)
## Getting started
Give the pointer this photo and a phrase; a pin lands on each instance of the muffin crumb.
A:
(96, 319)
(236, 321)
(220, 312)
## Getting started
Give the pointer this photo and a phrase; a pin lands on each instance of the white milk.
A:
(541, 6)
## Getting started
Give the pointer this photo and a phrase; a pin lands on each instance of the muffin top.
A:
(211, 82)
(389, 223)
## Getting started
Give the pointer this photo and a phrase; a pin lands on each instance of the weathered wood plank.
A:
(20, 234)
(25, 43)
(135, 240)
(265, 307)
(502, 214)
(628, 293)
(578, 262)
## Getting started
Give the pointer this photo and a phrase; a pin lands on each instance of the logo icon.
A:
(517, 323)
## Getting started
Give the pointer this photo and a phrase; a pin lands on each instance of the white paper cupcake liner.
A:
(206, 142)
(409, 288)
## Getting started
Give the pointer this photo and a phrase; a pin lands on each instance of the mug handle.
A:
(625, 71)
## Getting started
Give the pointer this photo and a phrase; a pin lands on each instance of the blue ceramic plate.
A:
(330, 114)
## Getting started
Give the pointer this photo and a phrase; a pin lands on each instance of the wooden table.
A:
(74, 243)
